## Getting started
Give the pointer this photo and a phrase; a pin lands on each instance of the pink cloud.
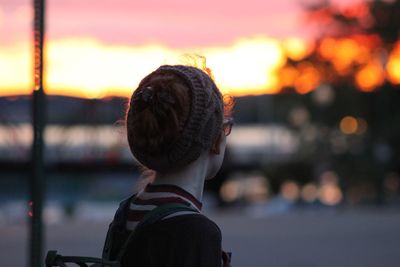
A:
(175, 23)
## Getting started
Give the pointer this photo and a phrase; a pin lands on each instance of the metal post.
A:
(38, 183)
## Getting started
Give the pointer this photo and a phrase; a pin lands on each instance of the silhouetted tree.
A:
(351, 51)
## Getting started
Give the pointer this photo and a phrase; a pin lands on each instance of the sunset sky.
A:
(100, 48)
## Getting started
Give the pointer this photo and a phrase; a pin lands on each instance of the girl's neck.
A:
(191, 178)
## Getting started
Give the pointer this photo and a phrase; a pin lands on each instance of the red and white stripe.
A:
(156, 195)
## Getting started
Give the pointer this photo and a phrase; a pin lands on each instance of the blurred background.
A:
(311, 175)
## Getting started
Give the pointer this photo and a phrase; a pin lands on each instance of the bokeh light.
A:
(308, 79)
(330, 194)
(349, 125)
(370, 77)
(329, 191)
(251, 188)
(230, 191)
(393, 65)
(309, 192)
(290, 190)
(296, 48)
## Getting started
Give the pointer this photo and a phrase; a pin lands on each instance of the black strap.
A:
(116, 226)
(54, 259)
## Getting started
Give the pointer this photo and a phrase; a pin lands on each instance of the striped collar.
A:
(156, 195)
(169, 190)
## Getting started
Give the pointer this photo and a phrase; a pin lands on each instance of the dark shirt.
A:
(187, 240)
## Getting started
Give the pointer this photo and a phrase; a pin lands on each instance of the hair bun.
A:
(159, 101)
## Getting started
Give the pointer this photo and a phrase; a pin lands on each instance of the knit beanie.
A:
(201, 129)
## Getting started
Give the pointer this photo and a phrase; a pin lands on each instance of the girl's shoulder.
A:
(192, 224)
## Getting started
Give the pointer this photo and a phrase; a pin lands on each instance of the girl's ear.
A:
(215, 148)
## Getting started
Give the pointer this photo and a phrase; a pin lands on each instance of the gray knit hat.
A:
(202, 127)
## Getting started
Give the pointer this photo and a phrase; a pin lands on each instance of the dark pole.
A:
(38, 183)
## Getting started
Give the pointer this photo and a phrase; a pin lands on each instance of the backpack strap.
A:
(54, 259)
(153, 216)
(117, 225)
(163, 211)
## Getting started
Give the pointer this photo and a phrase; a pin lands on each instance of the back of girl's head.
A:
(162, 114)
(174, 115)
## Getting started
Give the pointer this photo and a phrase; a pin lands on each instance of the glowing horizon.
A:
(90, 69)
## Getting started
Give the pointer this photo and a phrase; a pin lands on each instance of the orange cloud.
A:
(88, 68)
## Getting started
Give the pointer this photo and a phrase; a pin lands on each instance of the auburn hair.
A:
(157, 130)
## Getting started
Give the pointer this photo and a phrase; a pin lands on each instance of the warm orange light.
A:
(327, 48)
(393, 65)
(248, 67)
(347, 49)
(393, 69)
(370, 41)
(370, 77)
(346, 52)
(90, 69)
(287, 76)
(296, 48)
(308, 79)
(348, 125)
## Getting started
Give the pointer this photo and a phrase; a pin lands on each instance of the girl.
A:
(177, 124)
